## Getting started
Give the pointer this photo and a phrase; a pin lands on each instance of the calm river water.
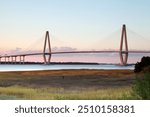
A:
(35, 67)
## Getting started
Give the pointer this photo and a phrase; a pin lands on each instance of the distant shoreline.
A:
(62, 63)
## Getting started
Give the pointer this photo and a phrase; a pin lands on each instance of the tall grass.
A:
(62, 94)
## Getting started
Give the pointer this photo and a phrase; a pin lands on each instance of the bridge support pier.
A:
(7, 59)
(13, 60)
(47, 39)
(22, 59)
(123, 52)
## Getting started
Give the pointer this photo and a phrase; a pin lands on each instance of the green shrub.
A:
(142, 86)
(139, 66)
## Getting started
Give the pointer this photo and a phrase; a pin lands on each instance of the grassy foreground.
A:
(67, 85)
(17, 92)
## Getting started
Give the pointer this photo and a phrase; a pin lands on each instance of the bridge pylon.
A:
(47, 41)
(123, 51)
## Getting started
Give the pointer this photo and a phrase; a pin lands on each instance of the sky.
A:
(73, 24)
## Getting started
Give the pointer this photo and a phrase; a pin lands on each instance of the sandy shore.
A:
(69, 79)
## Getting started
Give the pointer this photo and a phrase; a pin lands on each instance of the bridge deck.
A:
(71, 52)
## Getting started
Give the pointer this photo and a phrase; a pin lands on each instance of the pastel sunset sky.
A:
(74, 24)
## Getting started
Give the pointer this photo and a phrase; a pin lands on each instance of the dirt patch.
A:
(69, 79)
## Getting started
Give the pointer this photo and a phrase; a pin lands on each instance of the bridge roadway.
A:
(71, 52)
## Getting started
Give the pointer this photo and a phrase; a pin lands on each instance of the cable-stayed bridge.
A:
(122, 51)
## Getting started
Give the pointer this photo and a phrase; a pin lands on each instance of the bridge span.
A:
(121, 51)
